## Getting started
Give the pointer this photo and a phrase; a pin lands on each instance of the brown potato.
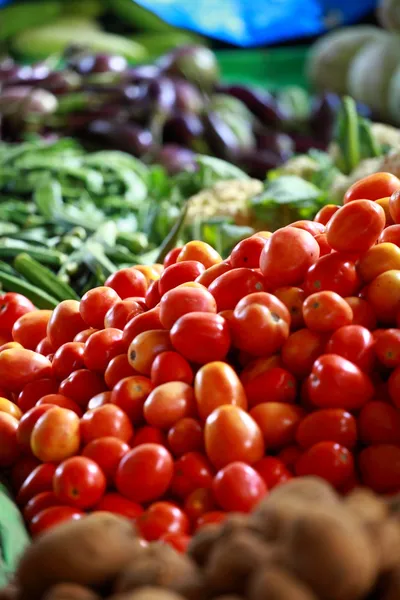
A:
(202, 543)
(385, 537)
(309, 489)
(391, 586)
(273, 519)
(148, 593)
(70, 591)
(276, 583)
(91, 551)
(367, 506)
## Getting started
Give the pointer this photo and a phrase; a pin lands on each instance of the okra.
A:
(41, 276)
(10, 248)
(39, 298)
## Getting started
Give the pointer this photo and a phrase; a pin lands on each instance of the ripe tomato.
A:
(107, 453)
(260, 324)
(326, 311)
(146, 321)
(201, 252)
(276, 262)
(31, 328)
(178, 541)
(130, 395)
(12, 307)
(235, 284)
(191, 472)
(301, 350)
(53, 516)
(145, 347)
(65, 323)
(292, 298)
(247, 253)
(390, 234)
(387, 348)
(9, 447)
(201, 337)
(238, 487)
(312, 227)
(62, 401)
(179, 273)
(101, 347)
(118, 368)
(394, 206)
(68, 358)
(209, 275)
(186, 435)
(153, 295)
(121, 312)
(10, 408)
(107, 420)
(95, 304)
(363, 313)
(328, 460)
(325, 214)
(198, 503)
(84, 335)
(273, 471)
(39, 480)
(170, 366)
(383, 294)
(127, 283)
(168, 403)
(330, 424)
(118, 505)
(334, 273)
(79, 482)
(171, 257)
(255, 367)
(277, 422)
(213, 517)
(34, 391)
(231, 434)
(356, 226)
(216, 383)
(151, 272)
(273, 385)
(182, 300)
(21, 470)
(394, 387)
(373, 187)
(99, 400)
(38, 503)
(149, 435)
(161, 518)
(379, 423)
(355, 343)
(378, 259)
(19, 367)
(145, 473)
(338, 383)
(81, 386)
(380, 468)
(290, 455)
(324, 247)
(56, 435)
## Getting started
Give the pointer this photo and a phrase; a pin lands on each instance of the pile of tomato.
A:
(177, 393)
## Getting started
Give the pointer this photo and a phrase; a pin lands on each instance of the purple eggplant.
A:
(262, 104)
(220, 137)
(24, 100)
(274, 141)
(257, 163)
(162, 96)
(196, 64)
(88, 64)
(175, 159)
(323, 117)
(142, 73)
(304, 142)
(188, 97)
(122, 136)
(183, 128)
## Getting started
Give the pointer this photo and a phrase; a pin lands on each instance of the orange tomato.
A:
(372, 187)
(217, 384)
(56, 435)
(10, 450)
(151, 272)
(377, 260)
(277, 422)
(383, 294)
(200, 251)
(31, 328)
(385, 203)
(168, 403)
(363, 313)
(65, 323)
(326, 311)
(300, 351)
(207, 277)
(145, 347)
(325, 214)
(394, 206)
(356, 226)
(19, 367)
(292, 298)
(10, 408)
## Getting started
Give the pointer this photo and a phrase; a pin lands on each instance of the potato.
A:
(331, 552)
(9, 592)
(70, 591)
(148, 593)
(202, 543)
(391, 586)
(366, 506)
(309, 489)
(91, 551)
(276, 583)
(385, 537)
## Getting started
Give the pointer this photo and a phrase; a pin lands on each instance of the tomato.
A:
(230, 287)
(130, 395)
(326, 311)
(161, 518)
(9, 447)
(385, 203)
(238, 487)
(209, 275)
(11, 345)
(107, 420)
(394, 205)
(171, 257)
(149, 435)
(387, 348)
(81, 386)
(290, 455)
(247, 253)
(179, 273)
(170, 366)
(373, 187)
(216, 383)
(363, 313)
(12, 307)
(277, 422)
(127, 283)
(390, 234)
(146, 321)
(213, 517)
(178, 541)
(328, 460)
(394, 387)
(121, 312)
(31, 328)
(56, 435)
(39, 480)
(301, 350)
(182, 300)
(292, 298)
(383, 294)
(62, 401)
(191, 472)
(145, 473)
(118, 368)
(18, 367)
(255, 367)
(32, 392)
(260, 324)
(274, 385)
(84, 335)
(355, 343)
(65, 323)
(153, 295)
(22, 469)
(231, 434)
(118, 505)
(378, 259)
(168, 403)
(324, 247)
(277, 258)
(325, 214)
(333, 273)
(68, 358)
(79, 482)
(356, 226)
(145, 347)
(201, 252)
(273, 471)
(330, 424)
(379, 423)
(379, 466)
(38, 503)
(101, 347)
(95, 304)
(186, 435)
(201, 337)
(10, 408)
(99, 400)
(199, 502)
(151, 272)
(338, 383)
(107, 453)
(53, 516)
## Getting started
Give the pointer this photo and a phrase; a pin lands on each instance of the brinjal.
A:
(175, 159)
(86, 64)
(274, 141)
(258, 162)
(188, 97)
(142, 73)
(162, 96)
(197, 64)
(183, 128)
(262, 104)
(122, 136)
(323, 117)
(25, 100)
(221, 139)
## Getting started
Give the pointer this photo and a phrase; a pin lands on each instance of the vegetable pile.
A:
(177, 393)
(303, 542)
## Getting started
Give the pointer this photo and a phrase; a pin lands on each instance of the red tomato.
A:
(198, 503)
(356, 226)
(216, 383)
(394, 387)
(209, 275)
(130, 395)
(121, 312)
(277, 422)
(372, 187)
(27, 423)
(145, 473)
(21, 470)
(186, 435)
(330, 424)
(238, 487)
(118, 368)
(168, 403)
(191, 472)
(380, 467)
(324, 247)
(12, 307)
(394, 205)
(68, 358)
(212, 517)
(277, 263)
(292, 298)
(290, 455)
(38, 503)
(301, 350)
(247, 253)
(379, 423)
(178, 541)
(260, 324)
(65, 322)
(117, 504)
(95, 304)
(149, 435)
(312, 227)
(201, 337)
(179, 273)
(390, 234)
(99, 400)
(84, 335)
(9, 446)
(161, 518)
(182, 300)
(273, 471)
(325, 214)
(171, 257)
(53, 516)
(107, 420)
(19, 367)
(101, 347)
(127, 283)
(170, 366)
(31, 328)
(326, 311)
(153, 295)
(32, 392)
(81, 386)
(107, 453)
(328, 460)
(334, 273)
(363, 313)
(147, 321)
(145, 347)
(274, 385)
(62, 401)
(235, 284)
(39, 480)
(338, 383)
(79, 482)
(230, 435)
(355, 343)
(387, 348)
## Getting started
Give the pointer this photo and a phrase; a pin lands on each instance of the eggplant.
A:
(262, 104)
(121, 136)
(142, 73)
(183, 128)
(175, 159)
(196, 64)
(274, 141)
(188, 97)
(220, 137)
(257, 163)
(323, 117)
(304, 142)
(162, 96)
(87, 64)
(23, 100)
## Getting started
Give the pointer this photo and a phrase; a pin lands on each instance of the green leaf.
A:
(212, 170)
(288, 189)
